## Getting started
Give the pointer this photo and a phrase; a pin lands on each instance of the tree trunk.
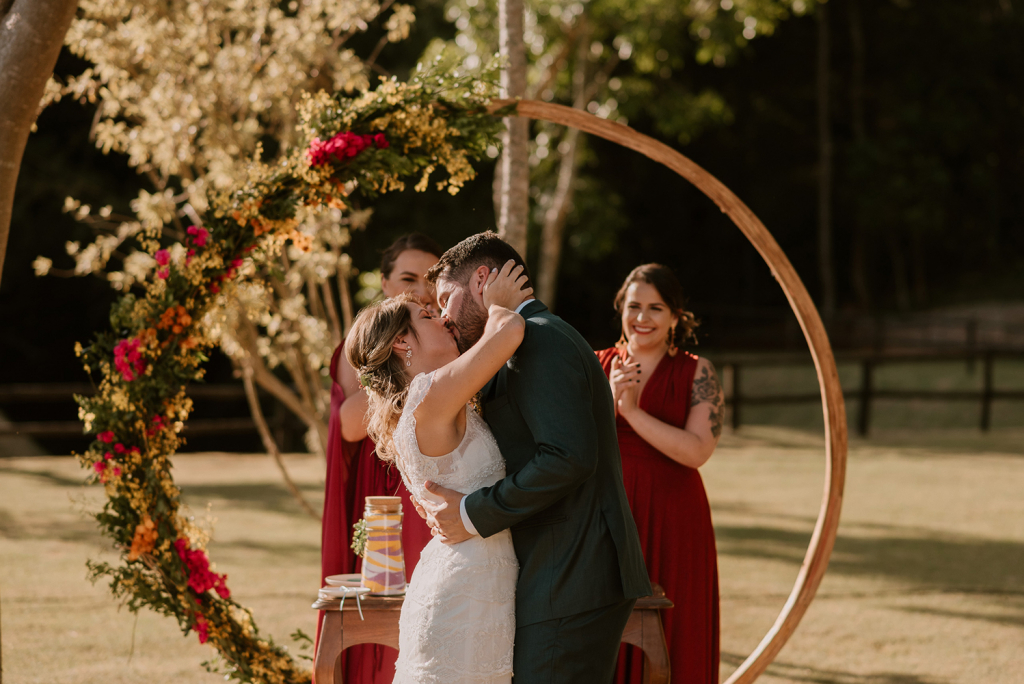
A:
(825, 261)
(31, 35)
(858, 253)
(920, 269)
(552, 233)
(901, 282)
(269, 444)
(514, 172)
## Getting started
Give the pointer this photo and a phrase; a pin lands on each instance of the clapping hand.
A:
(505, 288)
(625, 381)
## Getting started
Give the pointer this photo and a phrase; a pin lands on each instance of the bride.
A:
(458, 619)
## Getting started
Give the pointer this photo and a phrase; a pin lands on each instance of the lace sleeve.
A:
(412, 465)
(418, 389)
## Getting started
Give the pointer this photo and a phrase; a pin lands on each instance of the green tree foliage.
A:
(623, 60)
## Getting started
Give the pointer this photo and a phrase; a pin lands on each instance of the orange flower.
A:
(144, 540)
(259, 226)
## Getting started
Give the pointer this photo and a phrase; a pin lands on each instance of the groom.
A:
(550, 408)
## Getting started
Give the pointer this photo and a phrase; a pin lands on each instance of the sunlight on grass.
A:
(924, 586)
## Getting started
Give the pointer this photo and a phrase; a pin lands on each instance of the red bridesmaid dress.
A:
(673, 518)
(353, 473)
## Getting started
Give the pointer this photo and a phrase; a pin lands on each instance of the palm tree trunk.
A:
(858, 252)
(514, 173)
(826, 269)
(31, 35)
(552, 233)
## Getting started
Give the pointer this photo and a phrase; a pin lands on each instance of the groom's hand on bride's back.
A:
(445, 519)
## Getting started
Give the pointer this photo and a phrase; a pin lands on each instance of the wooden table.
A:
(343, 628)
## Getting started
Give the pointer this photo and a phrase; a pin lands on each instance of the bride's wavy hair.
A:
(369, 349)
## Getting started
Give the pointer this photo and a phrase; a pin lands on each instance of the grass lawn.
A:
(926, 585)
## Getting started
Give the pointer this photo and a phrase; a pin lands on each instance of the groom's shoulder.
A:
(546, 330)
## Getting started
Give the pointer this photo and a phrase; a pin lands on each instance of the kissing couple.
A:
(501, 422)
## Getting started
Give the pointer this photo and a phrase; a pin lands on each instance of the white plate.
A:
(352, 580)
(341, 592)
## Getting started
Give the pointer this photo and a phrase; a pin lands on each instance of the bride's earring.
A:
(672, 341)
(621, 344)
(408, 357)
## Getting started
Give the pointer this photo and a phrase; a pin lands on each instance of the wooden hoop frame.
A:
(824, 536)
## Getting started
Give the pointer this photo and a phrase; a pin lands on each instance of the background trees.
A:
(925, 120)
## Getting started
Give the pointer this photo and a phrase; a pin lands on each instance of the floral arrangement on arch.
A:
(357, 148)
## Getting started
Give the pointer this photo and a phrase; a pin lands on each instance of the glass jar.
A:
(383, 560)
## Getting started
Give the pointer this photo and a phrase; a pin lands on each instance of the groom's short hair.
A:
(482, 249)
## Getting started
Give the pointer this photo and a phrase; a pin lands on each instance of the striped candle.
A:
(383, 561)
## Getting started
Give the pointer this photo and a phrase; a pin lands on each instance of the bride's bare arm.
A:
(457, 382)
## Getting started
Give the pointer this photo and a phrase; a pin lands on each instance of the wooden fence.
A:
(860, 400)
(731, 367)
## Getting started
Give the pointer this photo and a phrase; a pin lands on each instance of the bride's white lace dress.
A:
(458, 620)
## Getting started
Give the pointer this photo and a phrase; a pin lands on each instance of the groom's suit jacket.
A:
(551, 410)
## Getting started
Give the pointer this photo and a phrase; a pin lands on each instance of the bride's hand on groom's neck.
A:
(506, 288)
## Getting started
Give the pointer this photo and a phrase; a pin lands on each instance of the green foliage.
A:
(155, 348)
(359, 538)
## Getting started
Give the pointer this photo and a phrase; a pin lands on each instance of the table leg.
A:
(327, 666)
(656, 662)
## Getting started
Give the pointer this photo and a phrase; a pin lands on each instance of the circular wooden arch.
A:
(824, 536)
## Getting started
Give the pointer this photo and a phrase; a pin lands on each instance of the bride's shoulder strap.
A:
(418, 389)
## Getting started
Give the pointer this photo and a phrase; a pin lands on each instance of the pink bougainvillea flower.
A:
(162, 257)
(99, 466)
(107, 456)
(235, 263)
(189, 254)
(198, 235)
(197, 568)
(202, 629)
(128, 359)
(117, 472)
(158, 424)
(342, 146)
(214, 288)
(380, 141)
(106, 437)
(162, 273)
(119, 448)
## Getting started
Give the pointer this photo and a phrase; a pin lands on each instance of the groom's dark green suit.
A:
(580, 563)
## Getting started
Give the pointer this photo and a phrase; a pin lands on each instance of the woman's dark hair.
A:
(417, 241)
(665, 282)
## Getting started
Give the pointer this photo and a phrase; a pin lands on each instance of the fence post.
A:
(735, 396)
(971, 337)
(986, 392)
(866, 388)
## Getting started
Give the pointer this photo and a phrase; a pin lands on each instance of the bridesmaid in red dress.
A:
(354, 471)
(669, 408)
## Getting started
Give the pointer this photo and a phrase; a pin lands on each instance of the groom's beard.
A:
(470, 324)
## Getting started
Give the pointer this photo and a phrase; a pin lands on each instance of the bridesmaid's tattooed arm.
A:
(707, 389)
(692, 444)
